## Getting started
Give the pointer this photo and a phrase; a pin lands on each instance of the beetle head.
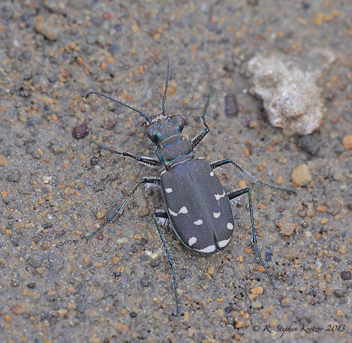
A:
(163, 126)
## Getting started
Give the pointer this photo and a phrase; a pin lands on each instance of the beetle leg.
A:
(126, 201)
(220, 163)
(150, 161)
(197, 139)
(161, 214)
(237, 194)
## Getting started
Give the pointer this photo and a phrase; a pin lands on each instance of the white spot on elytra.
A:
(183, 209)
(198, 222)
(224, 243)
(230, 226)
(219, 196)
(192, 241)
(216, 214)
(208, 249)
(168, 190)
(212, 173)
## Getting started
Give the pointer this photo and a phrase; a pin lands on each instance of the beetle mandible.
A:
(196, 203)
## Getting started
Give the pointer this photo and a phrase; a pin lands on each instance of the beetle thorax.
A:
(174, 149)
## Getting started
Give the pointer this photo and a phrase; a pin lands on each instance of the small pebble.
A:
(145, 281)
(80, 131)
(116, 260)
(239, 324)
(122, 328)
(34, 262)
(256, 304)
(46, 29)
(14, 176)
(318, 19)
(321, 208)
(286, 229)
(56, 263)
(238, 337)
(144, 212)
(3, 161)
(81, 306)
(121, 241)
(324, 221)
(100, 214)
(309, 144)
(135, 28)
(154, 263)
(346, 275)
(231, 108)
(207, 277)
(19, 308)
(282, 160)
(47, 179)
(211, 270)
(31, 285)
(114, 49)
(45, 246)
(340, 293)
(14, 283)
(257, 290)
(94, 161)
(57, 149)
(279, 180)
(301, 175)
(110, 124)
(3, 262)
(347, 142)
(290, 253)
(144, 334)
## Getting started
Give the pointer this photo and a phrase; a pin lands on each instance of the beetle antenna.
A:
(165, 91)
(121, 103)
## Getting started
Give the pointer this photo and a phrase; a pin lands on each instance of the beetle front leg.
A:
(162, 214)
(150, 161)
(237, 194)
(220, 163)
(197, 139)
(124, 204)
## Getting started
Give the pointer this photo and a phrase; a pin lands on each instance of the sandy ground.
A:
(56, 189)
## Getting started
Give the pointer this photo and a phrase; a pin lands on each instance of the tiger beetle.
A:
(196, 203)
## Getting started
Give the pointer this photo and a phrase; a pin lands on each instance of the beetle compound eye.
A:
(152, 135)
(178, 121)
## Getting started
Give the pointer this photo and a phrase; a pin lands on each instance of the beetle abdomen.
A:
(198, 207)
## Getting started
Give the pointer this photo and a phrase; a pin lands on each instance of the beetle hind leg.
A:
(220, 163)
(162, 214)
(162, 217)
(145, 180)
(235, 195)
